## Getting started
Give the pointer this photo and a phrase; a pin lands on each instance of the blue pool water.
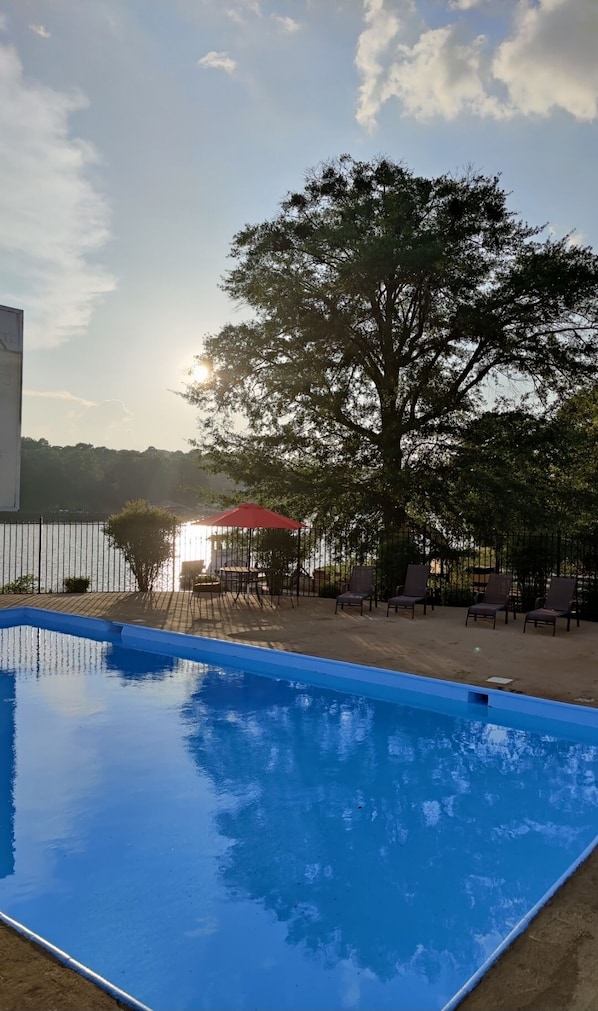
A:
(208, 838)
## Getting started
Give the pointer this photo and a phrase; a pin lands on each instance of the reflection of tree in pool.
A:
(133, 664)
(349, 818)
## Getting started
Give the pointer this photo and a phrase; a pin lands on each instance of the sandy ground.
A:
(553, 966)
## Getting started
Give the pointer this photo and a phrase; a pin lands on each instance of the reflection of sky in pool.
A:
(213, 839)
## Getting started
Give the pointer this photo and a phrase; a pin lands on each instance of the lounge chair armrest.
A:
(478, 596)
(539, 602)
(399, 590)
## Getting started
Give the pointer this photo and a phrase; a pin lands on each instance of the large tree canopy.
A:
(384, 309)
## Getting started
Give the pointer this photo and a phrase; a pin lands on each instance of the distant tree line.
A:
(93, 481)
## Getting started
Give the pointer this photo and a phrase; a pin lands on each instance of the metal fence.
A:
(37, 557)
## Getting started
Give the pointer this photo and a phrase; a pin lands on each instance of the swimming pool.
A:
(205, 836)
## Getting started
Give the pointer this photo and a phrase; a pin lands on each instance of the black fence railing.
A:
(38, 557)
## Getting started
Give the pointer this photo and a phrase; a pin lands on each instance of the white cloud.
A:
(381, 28)
(464, 5)
(547, 61)
(287, 25)
(442, 75)
(550, 60)
(41, 30)
(3, 22)
(53, 220)
(217, 61)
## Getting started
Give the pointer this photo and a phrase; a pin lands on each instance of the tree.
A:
(499, 477)
(145, 534)
(383, 307)
(518, 470)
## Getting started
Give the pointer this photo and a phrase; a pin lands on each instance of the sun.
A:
(200, 372)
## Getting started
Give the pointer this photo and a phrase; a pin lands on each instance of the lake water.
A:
(52, 551)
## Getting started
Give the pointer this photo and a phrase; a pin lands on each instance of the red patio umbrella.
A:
(250, 515)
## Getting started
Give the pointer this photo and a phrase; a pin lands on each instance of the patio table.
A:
(242, 579)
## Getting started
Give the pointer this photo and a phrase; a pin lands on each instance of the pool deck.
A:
(553, 965)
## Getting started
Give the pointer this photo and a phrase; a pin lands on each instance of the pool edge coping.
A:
(71, 963)
(327, 671)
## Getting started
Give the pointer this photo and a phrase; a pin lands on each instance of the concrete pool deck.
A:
(553, 965)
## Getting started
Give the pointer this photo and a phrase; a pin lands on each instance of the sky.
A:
(138, 136)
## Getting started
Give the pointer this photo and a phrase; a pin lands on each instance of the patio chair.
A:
(496, 597)
(189, 573)
(361, 586)
(559, 602)
(203, 590)
(413, 591)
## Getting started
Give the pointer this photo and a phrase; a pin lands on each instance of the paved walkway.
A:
(554, 965)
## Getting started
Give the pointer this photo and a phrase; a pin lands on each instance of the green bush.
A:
(588, 600)
(329, 590)
(145, 534)
(456, 596)
(22, 584)
(276, 551)
(396, 552)
(76, 584)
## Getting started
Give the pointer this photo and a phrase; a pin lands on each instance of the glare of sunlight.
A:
(200, 371)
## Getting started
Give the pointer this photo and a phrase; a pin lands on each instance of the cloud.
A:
(41, 30)
(464, 5)
(381, 28)
(66, 419)
(217, 61)
(287, 25)
(59, 395)
(3, 22)
(53, 220)
(547, 61)
(550, 60)
(442, 75)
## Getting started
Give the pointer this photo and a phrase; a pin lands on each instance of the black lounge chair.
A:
(413, 591)
(496, 597)
(559, 602)
(361, 586)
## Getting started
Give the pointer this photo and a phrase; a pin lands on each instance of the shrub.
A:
(145, 534)
(329, 590)
(76, 584)
(276, 550)
(456, 596)
(396, 552)
(22, 584)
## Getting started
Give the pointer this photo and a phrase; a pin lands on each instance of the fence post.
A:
(39, 554)
(558, 552)
(174, 540)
